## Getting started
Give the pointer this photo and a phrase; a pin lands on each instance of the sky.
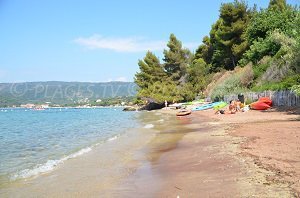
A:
(96, 40)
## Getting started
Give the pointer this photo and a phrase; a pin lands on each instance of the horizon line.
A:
(66, 81)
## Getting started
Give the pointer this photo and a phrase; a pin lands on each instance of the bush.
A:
(259, 49)
(296, 89)
(261, 67)
(230, 82)
(286, 84)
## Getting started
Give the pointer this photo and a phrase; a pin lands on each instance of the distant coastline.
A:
(59, 93)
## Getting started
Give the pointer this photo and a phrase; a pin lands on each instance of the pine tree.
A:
(227, 35)
(205, 50)
(151, 71)
(176, 60)
(277, 4)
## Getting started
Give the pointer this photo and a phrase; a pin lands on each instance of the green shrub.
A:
(261, 67)
(285, 84)
(232, 82)
(296, 89)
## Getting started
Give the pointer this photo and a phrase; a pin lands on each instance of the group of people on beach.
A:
(234, 106)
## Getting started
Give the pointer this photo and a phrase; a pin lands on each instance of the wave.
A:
(113, 138)
(148, 126)
(50, 165)
(38, 169)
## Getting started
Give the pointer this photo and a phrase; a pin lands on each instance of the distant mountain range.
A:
(57, 92)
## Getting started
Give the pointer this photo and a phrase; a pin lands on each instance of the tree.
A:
(275, 17)
(176, 60)
(161, 91)
(227, 35)
(151, 71)
(205, 50)
(277, 4)
(198, 75)
(279, 18)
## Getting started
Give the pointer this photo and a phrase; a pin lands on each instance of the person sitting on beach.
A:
(222, 111)
(238, 105)
(232, 106)
(232, 109)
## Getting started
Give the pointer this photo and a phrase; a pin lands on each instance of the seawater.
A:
(34, 142)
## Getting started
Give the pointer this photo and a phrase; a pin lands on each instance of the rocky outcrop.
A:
(152, 106)
(130, 108)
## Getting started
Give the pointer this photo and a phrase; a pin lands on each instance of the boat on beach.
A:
(183, 112)
(206, 106)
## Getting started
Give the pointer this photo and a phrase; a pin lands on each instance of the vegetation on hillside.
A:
(247, 49)
(65, 93)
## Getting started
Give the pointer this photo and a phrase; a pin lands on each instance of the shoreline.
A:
(246, 154)
(100, 171)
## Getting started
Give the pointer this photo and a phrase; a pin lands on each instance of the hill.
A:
(58, 92)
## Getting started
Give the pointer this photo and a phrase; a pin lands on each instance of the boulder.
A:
(152, 106)
(130, 108)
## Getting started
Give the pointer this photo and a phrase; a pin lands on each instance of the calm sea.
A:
(34, 142)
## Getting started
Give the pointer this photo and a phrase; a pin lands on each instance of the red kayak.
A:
(259, 105)
(266, 100)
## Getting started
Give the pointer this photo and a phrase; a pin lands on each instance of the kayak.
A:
(184, 112)
(194, 102)
(188, 103)
(219, 106)
(259, 105)
(266, 100)
(206, 106)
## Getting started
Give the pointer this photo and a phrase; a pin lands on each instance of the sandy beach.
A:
(250, 154)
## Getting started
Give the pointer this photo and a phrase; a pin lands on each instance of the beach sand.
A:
(250, 154)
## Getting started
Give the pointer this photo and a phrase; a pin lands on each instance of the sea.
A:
(33, 142)
(75, 152)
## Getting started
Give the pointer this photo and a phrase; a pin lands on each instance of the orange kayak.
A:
(184, 112)
(259, 105)
(266, 100)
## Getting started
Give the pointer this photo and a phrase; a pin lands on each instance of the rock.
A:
(152, 106)
(130, 108)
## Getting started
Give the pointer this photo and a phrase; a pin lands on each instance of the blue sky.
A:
(95, 40)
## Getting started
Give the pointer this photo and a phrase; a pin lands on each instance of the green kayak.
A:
(220, 105)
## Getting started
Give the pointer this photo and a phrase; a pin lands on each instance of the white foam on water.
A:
(48, 166)
(112, 138)
(41, 168)
(52, 164)
(148, 126)
(78, 153)
(161, 120)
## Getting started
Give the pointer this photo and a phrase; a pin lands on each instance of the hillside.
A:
(246, 50)
(58, 92)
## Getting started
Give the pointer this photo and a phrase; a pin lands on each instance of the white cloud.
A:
(130, 44)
